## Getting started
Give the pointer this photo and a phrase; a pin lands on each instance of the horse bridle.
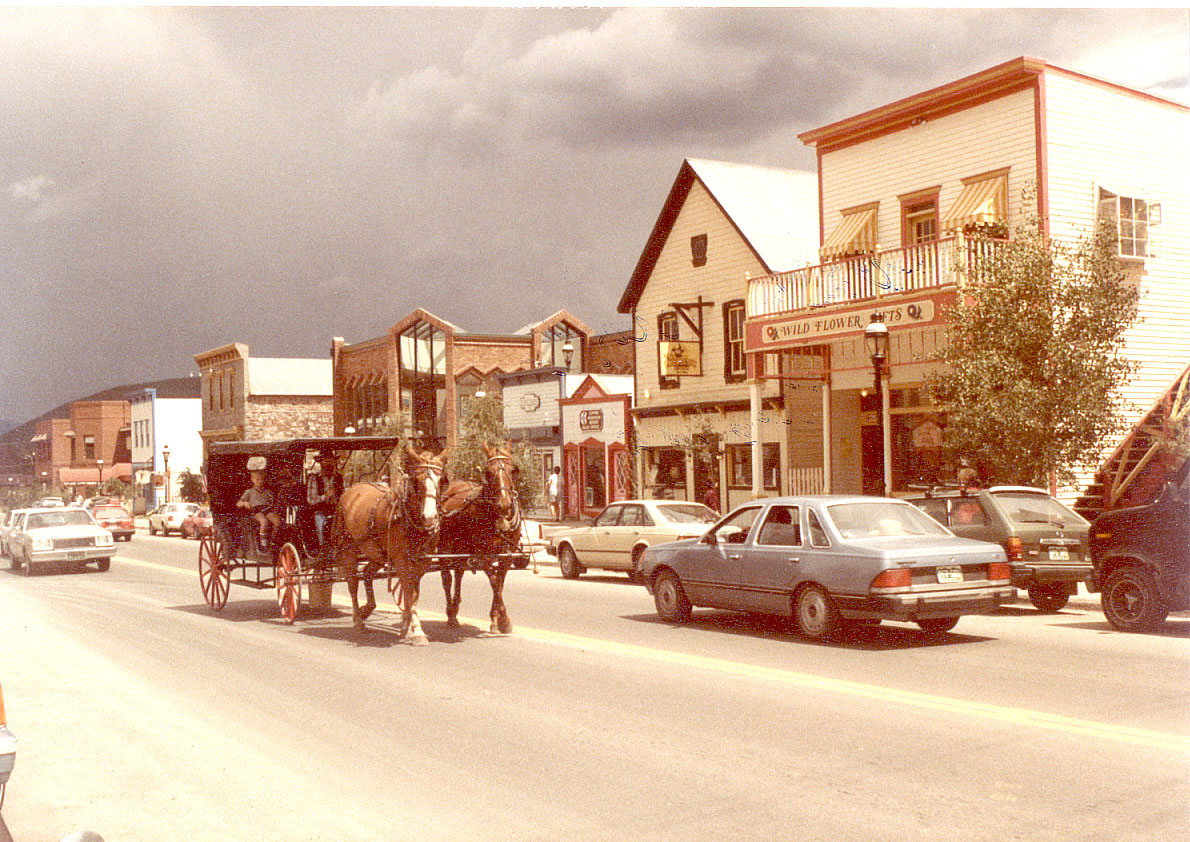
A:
(514, 522)
(405, 495)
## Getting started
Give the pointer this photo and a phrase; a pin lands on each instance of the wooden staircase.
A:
(1147, 457)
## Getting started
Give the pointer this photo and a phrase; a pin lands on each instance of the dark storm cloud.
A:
(173, 179)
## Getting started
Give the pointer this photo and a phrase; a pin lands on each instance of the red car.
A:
(198, 524)
(116, 520)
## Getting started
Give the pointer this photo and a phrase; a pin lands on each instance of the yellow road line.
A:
(1015, 716)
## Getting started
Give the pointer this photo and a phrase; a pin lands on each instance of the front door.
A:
(771, 565)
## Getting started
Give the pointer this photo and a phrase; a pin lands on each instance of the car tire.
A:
(104, 564)
(568, 563)
(815, 613)
(27, 566)
(1049, 598)
(669, 596)
(938, 625)
(152, 530)
(1131, 600)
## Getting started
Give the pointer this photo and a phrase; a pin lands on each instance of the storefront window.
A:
(739, 466)
(665, 473)
(594, 473)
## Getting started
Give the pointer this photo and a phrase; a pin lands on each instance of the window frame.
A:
(667, 331)
(1109, 206)
(734, 346)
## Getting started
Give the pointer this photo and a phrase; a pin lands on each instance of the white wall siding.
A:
(1137, 147)
(674, 279)
(940, 153)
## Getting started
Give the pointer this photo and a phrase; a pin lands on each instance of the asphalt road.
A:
(143, 715)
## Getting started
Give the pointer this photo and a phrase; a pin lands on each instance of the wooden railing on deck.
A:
(927, 266)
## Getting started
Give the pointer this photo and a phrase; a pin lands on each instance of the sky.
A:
(173, 179)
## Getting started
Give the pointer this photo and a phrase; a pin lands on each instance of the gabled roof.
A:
(774, 210)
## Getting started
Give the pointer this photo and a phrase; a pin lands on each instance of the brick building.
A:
(424, 367)
(247, 398)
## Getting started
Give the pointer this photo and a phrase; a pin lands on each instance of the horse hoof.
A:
(366, 611)
(452, 622)
(418, 640)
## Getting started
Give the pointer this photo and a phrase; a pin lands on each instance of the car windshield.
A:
(66, 517)
(1035, 508)
(881, 519)
(111, 512)
(687, 513)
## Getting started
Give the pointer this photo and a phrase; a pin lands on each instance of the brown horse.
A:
(397, 525)
(482, 521)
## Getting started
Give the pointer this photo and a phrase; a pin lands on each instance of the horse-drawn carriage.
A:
(355, 509)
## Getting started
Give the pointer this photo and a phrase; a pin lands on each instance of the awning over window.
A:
(37, 438)
(981, 203)
(855, 234)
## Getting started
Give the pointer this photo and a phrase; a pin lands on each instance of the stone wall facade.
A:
(288, 417)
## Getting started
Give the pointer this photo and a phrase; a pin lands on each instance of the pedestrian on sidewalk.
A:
(552, 491)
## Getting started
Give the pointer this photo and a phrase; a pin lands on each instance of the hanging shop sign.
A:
(680, 359)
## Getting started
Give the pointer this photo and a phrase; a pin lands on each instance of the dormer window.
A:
(698, 250)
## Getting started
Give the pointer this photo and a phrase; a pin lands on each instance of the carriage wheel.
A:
(213, 573)
(289, 583)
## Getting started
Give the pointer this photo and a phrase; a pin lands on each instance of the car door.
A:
(769, 565)
(622, 537)
(709, 568)
(592, 546)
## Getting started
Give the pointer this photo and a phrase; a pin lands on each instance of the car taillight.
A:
(1013, 549)
(125, 524)
(899, 578)
(999, 570)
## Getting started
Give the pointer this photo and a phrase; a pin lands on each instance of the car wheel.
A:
(816, 616)
(1131, 601)
(152, 529)
(104, 564)
(939, 625)
(669, 596)
(1048, 597)
(568, 562)
(634, 574)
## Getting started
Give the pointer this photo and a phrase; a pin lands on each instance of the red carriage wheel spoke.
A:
(289, 587)
(213, 574)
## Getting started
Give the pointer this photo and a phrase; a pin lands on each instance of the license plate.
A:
(75, 556)
(1059, 554)
(950, 575)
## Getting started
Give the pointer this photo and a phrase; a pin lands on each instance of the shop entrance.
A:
(872, 450)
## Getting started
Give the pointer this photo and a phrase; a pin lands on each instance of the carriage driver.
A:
(260, 502)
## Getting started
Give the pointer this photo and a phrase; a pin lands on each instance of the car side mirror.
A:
(709, 538)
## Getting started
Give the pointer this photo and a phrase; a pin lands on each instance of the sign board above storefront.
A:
(809, 328)
(680, 359)
(590, 420)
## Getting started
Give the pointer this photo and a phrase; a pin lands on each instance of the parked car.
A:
(1046, 542)
(8, 749)
(198, 525)
(828, 562)
(168, 517)
(50, 502)
(115, 519)
(59, 534)
(1141, 560)
(7, 523)
(621, 532)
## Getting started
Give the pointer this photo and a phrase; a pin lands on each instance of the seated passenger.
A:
(322, 493)
(261, 503)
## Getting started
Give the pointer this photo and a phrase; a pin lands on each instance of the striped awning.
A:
(855, 234)
(980, 203)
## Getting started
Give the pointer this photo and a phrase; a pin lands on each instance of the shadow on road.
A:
(867, 638)
(1172, 628)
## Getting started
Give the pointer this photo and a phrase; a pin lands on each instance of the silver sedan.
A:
(828, 561)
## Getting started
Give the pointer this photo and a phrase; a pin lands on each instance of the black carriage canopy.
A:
(286, 461)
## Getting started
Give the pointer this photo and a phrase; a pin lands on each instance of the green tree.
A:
(192, 487)
(1034, 369)
(483, 422)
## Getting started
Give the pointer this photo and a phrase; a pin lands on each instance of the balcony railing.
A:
(923, 267)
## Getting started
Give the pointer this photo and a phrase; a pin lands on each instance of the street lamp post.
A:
(876, 340)
(165, 459)
(99, 487)
(568, 353)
